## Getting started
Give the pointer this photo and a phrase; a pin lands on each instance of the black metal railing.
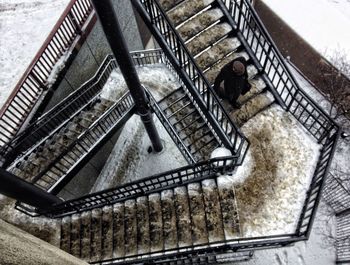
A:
(170, 129)
(173, 178)
(57, 116)
(59, 168)
(66, 33)
(193, 80)
(316, 121)
(61, 113)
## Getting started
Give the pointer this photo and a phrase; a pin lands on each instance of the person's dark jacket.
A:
(234, 85)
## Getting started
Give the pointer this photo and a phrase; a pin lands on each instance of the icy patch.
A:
(157, 78)
(271, 184)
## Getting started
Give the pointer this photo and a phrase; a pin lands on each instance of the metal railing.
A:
(337, 195)
(194, 82)
(34, 82)
(60, 168)
(166, 180)
(170, 129)
(55, 118)
(317, 122)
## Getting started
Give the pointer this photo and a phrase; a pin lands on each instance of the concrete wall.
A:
(20, 248)
(95, 49)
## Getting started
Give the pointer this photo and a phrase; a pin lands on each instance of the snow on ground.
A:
(271, 184)
(130, 159)
(156, 77)
(24, 26)
(324, 24)
(320, 248)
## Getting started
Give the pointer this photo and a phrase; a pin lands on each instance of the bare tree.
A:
(335, 79)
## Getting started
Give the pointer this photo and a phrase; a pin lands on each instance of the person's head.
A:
(238, 68)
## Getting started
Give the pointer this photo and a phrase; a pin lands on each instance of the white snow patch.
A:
(276, 174)
(24, 27)
(324, 24)
(157, 78)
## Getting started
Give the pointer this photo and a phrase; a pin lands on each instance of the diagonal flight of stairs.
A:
(49, 163)
(159, 223)
(212, 42)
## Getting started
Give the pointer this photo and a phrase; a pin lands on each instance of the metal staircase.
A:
(50, 151)
(186, 216)
(176, 219)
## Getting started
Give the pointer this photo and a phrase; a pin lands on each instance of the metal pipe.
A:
(106, 15)
(16, 188)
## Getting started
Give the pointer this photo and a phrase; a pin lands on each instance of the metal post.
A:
(105, 13)
(16, 188)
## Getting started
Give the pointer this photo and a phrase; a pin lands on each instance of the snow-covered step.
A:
(189, 124)
(63, 152)
(188, 215)
(199, 23)
(187, 9)
(251, 108)
(168, 4)
(208, 37)
(217, 52)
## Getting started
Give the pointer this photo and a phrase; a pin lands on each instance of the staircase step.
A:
(75, 247)
(96, 235)
(85, 235)
(229, 208)
(118, 231)
(130, 226)
(143, 229)
(257, 86)
(199, 23)
(169, 220)
(156, 223)
(217, 52)
(183, 217)
(107, 232)
(250, 108)
(168, 4)
(213, 210)
(187, 9)
(199, 227)
(207, 38)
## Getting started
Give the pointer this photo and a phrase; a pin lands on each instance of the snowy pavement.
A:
(24, 26)
(324, 24)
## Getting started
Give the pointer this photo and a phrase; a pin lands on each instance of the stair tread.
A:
(184, 216)
(217, 52)
(208, 37)
(186, 9)
(251, 108)
(199, 23)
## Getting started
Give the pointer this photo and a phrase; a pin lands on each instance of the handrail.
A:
(34, 82)
(315, 120)
(168, 179)
(266, 52)
(71, 104)
(167, 125)
(104, 124)
(195, 83)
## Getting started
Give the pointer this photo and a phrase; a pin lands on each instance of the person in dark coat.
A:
(235, 81)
